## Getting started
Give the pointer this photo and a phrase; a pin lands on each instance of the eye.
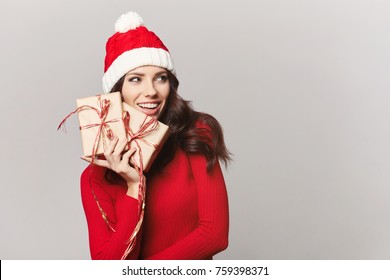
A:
(162, 78)
(134, 79)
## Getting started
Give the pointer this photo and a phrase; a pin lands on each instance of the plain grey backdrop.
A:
(300, 87)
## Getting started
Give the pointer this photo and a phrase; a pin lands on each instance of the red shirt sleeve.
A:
(211, 235)
(121, 211)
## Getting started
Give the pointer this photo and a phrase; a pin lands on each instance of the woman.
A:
(186, 212)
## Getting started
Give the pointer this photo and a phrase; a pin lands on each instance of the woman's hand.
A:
(119, 163)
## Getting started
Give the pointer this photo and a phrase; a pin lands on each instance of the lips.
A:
(148, 105)
(149, 108)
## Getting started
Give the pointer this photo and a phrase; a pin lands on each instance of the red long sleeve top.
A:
(186, 212)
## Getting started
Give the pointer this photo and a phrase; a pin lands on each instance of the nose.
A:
(149, 89)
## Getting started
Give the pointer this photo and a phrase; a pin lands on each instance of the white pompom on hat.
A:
(130, 20)
(132, 46)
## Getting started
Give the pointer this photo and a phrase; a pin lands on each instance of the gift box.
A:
(146, 134)
(100, 119)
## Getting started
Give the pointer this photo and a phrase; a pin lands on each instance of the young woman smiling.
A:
(186, 212)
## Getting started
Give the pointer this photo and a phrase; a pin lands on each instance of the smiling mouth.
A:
(150, 108)
(148, 105)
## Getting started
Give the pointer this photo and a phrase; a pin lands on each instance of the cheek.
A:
(128, 95)
(165, 92)
(165, 100)
(127, 100)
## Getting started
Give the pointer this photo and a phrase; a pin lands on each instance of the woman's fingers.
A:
(115, 159)
(100, 162)
(110, 147)
(120, 147)
(126, 156)
(109, 153)
(119, 163)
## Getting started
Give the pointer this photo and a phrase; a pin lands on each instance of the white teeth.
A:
(148, 105)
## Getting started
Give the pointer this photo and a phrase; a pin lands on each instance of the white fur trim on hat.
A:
(135, 58)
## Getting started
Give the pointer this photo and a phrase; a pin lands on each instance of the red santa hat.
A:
(132, 46)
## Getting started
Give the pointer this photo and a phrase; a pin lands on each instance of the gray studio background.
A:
(300, 87)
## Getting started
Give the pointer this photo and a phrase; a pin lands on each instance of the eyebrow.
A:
(143, 74)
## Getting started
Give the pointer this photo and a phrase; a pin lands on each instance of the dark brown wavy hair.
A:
(205, 138)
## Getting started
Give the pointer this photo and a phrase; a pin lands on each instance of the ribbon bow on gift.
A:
(102, 111)
(145, 128)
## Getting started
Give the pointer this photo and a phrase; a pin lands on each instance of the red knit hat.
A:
(132, 46)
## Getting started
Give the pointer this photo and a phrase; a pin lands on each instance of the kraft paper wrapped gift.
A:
(151, 142)
(99, 116)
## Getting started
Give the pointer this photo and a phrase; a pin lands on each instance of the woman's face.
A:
(146, 89)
